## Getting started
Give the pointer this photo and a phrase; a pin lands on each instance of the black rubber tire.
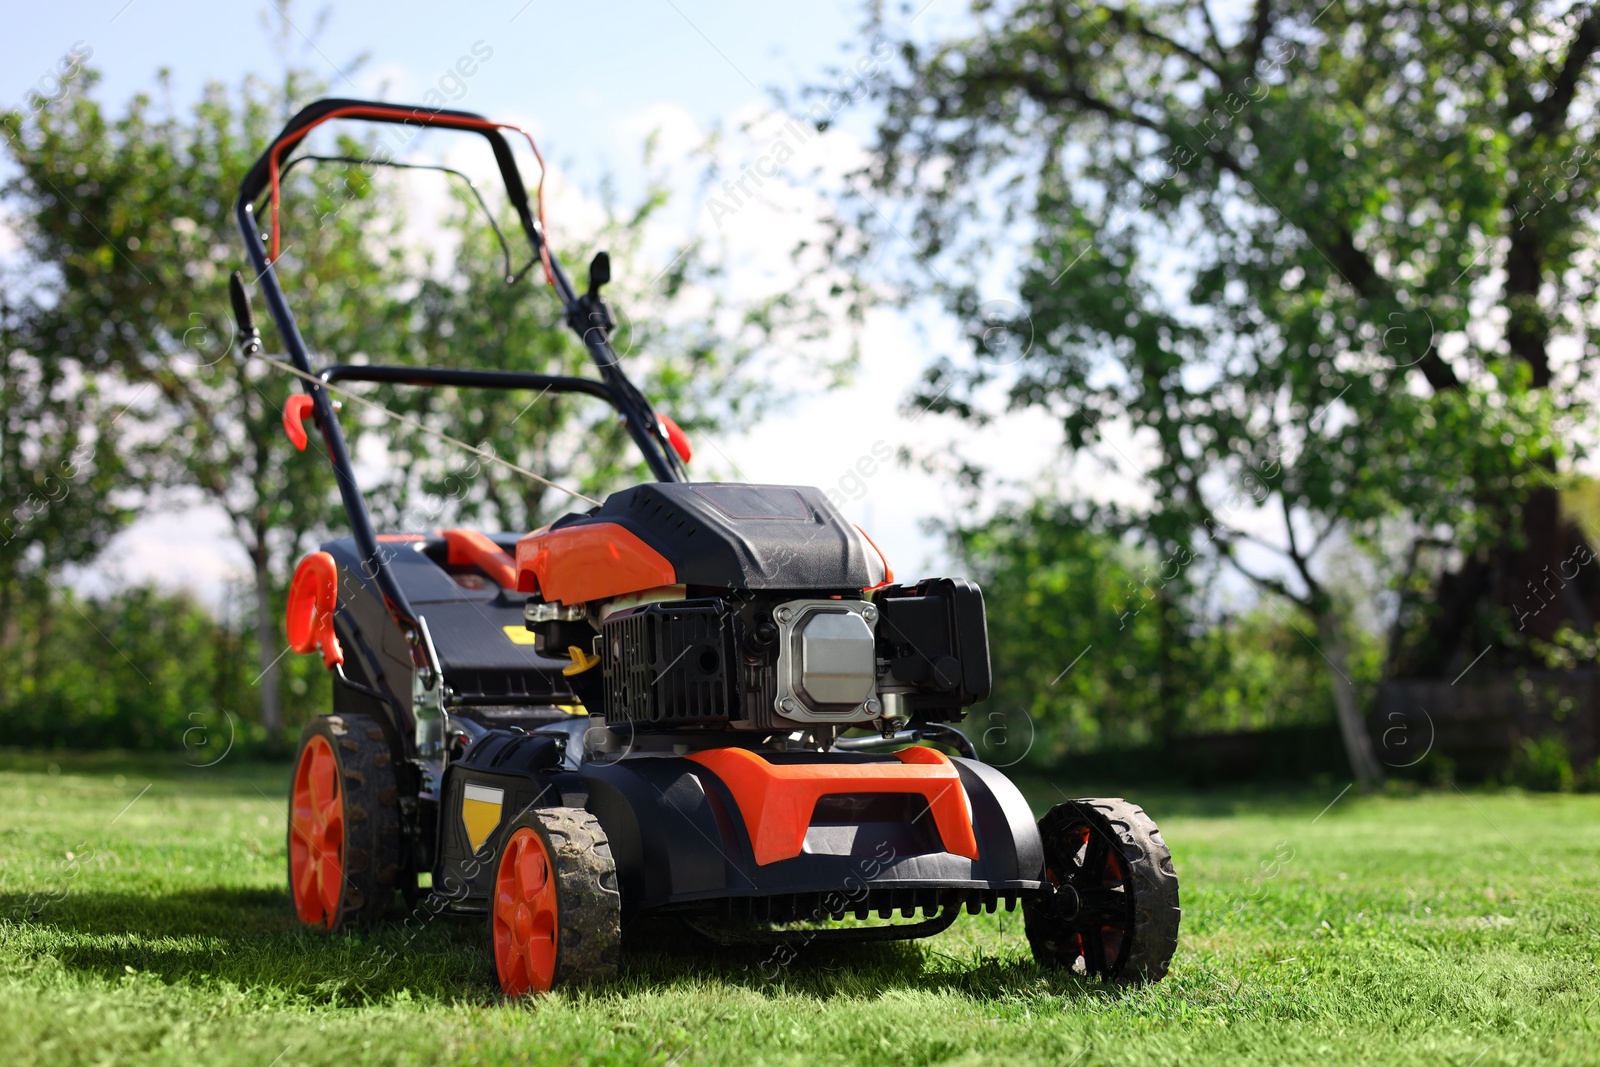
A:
(1112, 856)
(588, 902)
(372, 845)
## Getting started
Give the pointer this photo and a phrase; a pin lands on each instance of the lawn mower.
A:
(698, 706)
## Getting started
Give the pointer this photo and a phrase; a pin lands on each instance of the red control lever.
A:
(675, 436)
(294, 413)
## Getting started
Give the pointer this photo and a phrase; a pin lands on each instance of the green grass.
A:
(1439, 928)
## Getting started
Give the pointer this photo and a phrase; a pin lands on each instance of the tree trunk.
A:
(267, 648)
(1352, 728)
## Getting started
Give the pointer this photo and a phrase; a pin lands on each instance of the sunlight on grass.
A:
(143, 918)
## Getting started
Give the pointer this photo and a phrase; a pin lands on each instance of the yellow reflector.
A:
(480, 812)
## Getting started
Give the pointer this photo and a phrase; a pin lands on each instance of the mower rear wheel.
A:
(1114, 914)
(344, 824)
(556, 916)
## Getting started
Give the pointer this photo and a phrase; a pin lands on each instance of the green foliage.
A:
(140, 669)
(1263, 672)
(128, 240)
(1318, 259)
(1543, 763)
(1377, 930)
(1310, 337)
(1070, 642)
(130, 217)
(59, 464)
(1101, 644)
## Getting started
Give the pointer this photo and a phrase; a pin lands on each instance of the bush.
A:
(139, 669)
(1099, 645)
(1544, 765)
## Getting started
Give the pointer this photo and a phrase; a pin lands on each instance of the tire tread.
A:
(1151, 876)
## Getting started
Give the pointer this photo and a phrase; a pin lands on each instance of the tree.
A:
(130, 217)
(695, 364)
(127, 239)
(1092, 676)
(59, 464)
(1163, 664)
(1318, 258)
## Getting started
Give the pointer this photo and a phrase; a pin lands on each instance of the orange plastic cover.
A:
(578, 564)
(469, 548)
(313, 598)
(295, 409)
(777, 800)
(676, 437)
(888, 571)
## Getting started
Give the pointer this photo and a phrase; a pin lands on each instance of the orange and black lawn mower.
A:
(699, 705)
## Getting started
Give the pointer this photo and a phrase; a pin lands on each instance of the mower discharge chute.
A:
(634, 716)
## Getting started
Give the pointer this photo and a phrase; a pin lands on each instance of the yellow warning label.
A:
(520, 635)
(480, 812)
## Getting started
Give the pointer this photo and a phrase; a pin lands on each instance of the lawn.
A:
(143, 919)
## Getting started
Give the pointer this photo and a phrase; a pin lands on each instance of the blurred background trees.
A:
(129, 218)
(1310, 284)
(124, 391)
(1318, 276)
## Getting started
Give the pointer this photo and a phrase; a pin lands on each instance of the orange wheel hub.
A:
(525, 930)
(316, 834)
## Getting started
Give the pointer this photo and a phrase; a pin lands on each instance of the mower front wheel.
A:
(344, 824)
(1114, 913)
(556, 915)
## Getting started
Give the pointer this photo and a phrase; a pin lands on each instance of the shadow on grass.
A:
(237, 773)
(862, 970)
(248, 938)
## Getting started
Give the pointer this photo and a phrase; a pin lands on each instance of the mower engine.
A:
(746, 607)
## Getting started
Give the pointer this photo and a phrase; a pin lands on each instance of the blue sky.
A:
(580, 68)
(586, 79)
(591, 81)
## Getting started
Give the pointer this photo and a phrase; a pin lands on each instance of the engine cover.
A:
(756, 663)
(711, 536)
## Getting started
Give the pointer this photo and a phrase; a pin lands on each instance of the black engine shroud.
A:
(723, 537)
(743, 554)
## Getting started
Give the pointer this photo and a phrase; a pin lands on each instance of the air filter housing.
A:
(670, 664)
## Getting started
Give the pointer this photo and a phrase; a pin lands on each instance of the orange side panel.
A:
(578, 564)
(313, 598)
(469, 548)
(777, 799)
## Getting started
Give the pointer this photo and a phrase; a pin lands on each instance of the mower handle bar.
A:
(614, 386)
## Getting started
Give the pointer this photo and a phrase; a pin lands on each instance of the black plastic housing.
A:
(670, 664)
(727, 537)
(935, 638)
(678, 837)
(528, 768)
(468, 624)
